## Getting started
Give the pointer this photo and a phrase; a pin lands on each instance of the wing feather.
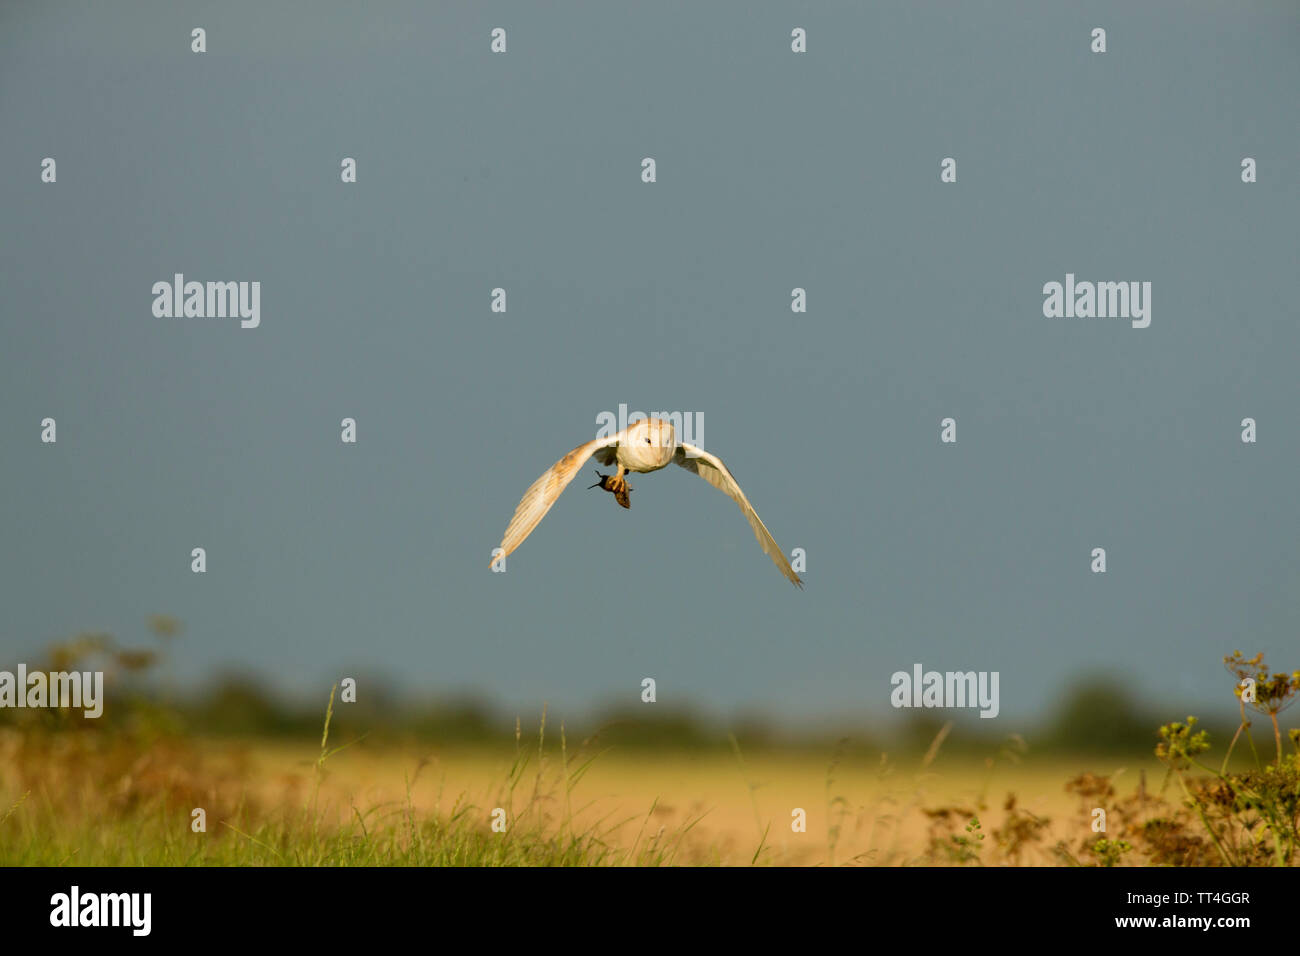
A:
(711, 469)
(543, 492)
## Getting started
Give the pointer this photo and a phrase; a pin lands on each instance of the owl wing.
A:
(543, 492)
(711, 469)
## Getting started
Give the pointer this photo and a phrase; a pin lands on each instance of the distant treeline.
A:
(1095, 716)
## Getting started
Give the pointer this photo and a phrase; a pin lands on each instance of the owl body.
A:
(647, 445)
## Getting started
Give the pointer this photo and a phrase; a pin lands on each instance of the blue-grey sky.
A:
(775, 170)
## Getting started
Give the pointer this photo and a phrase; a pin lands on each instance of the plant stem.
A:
(1205, 821)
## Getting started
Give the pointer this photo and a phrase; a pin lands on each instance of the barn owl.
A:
(644, 446)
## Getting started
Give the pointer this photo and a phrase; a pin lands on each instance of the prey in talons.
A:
(616, 485)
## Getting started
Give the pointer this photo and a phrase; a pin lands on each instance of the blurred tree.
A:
(1099, 715)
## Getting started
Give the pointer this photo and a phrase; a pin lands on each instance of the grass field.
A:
(709, 807)
(142, 789)
(103, 801)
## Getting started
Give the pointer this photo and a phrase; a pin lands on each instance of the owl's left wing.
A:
(711, 469)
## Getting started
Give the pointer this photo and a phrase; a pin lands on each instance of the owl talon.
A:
(615, 485)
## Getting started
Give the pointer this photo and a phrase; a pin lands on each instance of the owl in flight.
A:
(644, 446)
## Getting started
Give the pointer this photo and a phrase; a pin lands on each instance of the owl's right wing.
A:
(543, 492)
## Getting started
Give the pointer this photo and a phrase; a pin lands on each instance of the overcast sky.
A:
(775, 170)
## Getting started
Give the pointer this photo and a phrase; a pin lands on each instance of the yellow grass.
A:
(876, 807)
